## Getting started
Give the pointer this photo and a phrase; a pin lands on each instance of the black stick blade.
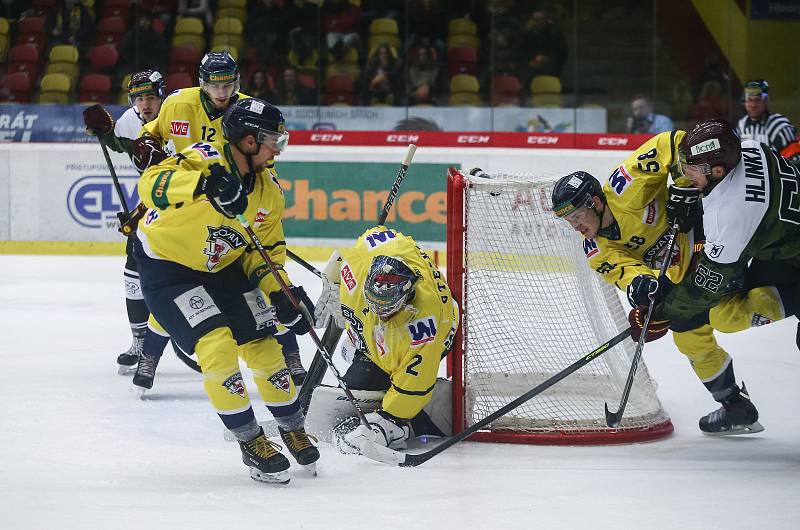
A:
(612, 418)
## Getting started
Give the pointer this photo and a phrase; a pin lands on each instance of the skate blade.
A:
(738, 430)
(311, 468)
(126, 370)
(281, 477)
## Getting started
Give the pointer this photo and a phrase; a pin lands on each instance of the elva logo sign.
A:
(93, 202)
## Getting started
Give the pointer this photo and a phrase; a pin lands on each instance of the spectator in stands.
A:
(712, 102)
(340, 23)
(302, 51)
(143, 47)
(423, 77)
(425, 22)
(71, 23)
(258, 87)
(197, 9)
(382, 78)
(545, 44)
(289, 90)
(643, 120)
(266, 29)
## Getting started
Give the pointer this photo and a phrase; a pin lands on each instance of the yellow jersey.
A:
(186, 229)
(187, 117)
(636, 193)
(410, 344)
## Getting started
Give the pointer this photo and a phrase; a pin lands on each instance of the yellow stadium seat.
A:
(464, 83)
(3, 48)
(375, 41)
(124, 85)
(71, 70)
(232, 50)
(55, 89)
(386, 26)
(64, 53)
(233, 3)
(545, 84)
(232, 12)
(228, 25)
(190, 25)
(4, 26)
(198, 42)
(461, 26)
(230, 40)
(59, 98)
(348, 69)
(463, 41)
(465, 99)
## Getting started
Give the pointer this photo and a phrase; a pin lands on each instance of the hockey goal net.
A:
(531, 308)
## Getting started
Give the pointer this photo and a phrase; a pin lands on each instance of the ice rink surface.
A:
(79, 450)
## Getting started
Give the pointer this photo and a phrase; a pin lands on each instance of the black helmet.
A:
(257, 117)
(575, 191)
(390, 284)
(219, 67)
(711, 143)
(146, 82)
(756, 87)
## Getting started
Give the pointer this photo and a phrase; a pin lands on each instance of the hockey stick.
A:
(304, 312)
(613, 419)
(114, 178)
(303, 263)
(317, 369)
(392, 457)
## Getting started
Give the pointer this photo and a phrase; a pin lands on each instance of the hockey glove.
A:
(224, 191)
(288, 314)
(328, 305)
(128, 223)
(385, 430)
(684, 207)
(147, 151)
(98, 121)
(655, 329)
(646, 287)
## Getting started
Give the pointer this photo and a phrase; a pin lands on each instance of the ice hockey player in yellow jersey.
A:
(206, 286)
(401, 320)
(191, 115)
(626, 225)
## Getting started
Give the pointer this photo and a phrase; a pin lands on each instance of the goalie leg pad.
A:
(329, 407)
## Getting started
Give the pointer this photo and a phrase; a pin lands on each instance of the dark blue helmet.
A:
(756, 87)
(219, 68)
(257, 117)
(146, 82)
(575, 191)
(389, 286)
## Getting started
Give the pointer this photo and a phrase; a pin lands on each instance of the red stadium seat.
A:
(462, 61)
(33, 25)
(24, 58)
(110, 30)
(103, 58)
(505, 90)
(179, 80)
(95, 88)
(15, 88)
(117, 8)
(339, 89)
(183, 59)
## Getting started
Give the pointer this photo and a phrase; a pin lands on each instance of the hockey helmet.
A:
(390, 284)
(756, 88)
(219, 68)
(575, 191)
(711, 143)
(257, 117)
(146, 82)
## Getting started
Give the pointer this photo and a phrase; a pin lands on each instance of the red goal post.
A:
(531, 307)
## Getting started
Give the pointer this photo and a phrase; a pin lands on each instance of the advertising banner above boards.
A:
(64, 123)
(334, 190)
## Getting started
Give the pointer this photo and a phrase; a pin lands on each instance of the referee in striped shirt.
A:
(760, 124)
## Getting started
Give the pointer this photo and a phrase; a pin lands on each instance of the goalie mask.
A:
(389, 286)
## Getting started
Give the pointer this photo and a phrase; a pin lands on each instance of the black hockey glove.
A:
(290, 316)
(646, 287)
(224, 191)
(683, 206)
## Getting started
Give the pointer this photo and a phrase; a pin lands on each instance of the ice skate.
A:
(127, 361)
(303, 450)
(145, 372)
(295, 367)
(265, 460)
(737, 415)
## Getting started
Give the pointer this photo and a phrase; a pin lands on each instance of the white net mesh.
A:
(532, 307)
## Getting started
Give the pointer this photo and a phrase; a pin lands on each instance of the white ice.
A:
(79, 450)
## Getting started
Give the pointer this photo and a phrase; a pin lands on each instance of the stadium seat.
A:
(228, 26)
(24, 58)
(30, 30)
(461, 26)
(463, 41)
(183, 59)
(229, 40)
(15, 88)
(309, 66)
(232, 12)
(375, 41)
(179, 80)
(4, 26)
(198, 42)
(464, 90)
(4, 44)
(387, 26)
(110, 30)
(55, 89)
(64, 60)
(308, 81)
(95, 88)
(188, 25)
(340, 90)
(117, 8)
(103, 58)
(232, 3)
(43, 6)
(505, 90)
(462, 61)
(546, 91)
(348, 69)
(219, 46)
